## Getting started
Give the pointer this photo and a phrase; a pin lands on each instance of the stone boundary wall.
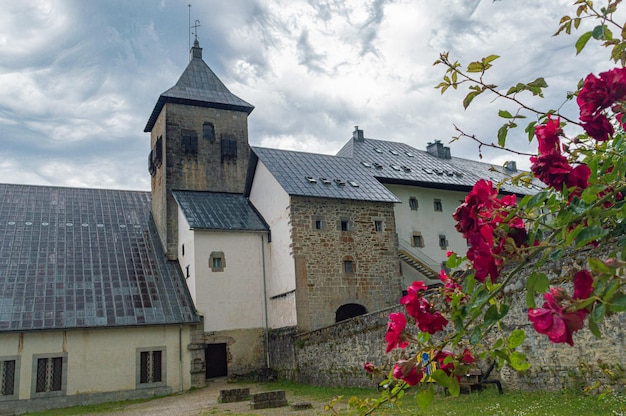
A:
(334, 355)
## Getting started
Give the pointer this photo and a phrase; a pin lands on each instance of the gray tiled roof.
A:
(401, 163)
(77, 258)
(199, 86)
(219, 211)
(291, 170)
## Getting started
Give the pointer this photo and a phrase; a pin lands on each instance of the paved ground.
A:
(204, 402)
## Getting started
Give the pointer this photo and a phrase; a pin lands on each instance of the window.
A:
(151, 369)
(438, 205)
(418, 240)
(9, 373)
(443, 242)
(318, 223)
(208, 132)
(378, 226)
(344, 225)
(229, 148)
(189, 142)
(187, 275)
(49, 375)
(217, 261)
(183, 249)
(413, 203)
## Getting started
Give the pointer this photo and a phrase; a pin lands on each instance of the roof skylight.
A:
(311, 179)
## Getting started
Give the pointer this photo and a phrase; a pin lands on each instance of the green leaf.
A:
(516, 338)
(469, 98)
(475, 67)
(498, 344)
(489, 59)
(598, 32)
(519, 361)
(449, 382)
(530, 299)
(582, 41)
(598, 266)
(593, 327)
(589, 234)
(502, 132)
(477, 335)
(504, 114)
(491, 316)
(538, 282)
(425, 397)
(598, 312)
(618, 303)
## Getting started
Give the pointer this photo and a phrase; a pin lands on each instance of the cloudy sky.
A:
(79, 79)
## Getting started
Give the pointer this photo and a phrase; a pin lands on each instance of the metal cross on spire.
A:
(195, 30)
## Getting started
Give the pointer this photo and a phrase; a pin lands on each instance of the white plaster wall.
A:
(428, 221)
(186, 238)
(100, 360)
(271, 200)
(233, 298)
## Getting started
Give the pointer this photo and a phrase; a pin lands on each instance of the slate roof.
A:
(317, 175)
(219, 211)
(394, 162)
(198, 86)
(83, 258)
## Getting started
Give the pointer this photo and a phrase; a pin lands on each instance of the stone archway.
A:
(349, 310)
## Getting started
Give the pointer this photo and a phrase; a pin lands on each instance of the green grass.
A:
(485, 403)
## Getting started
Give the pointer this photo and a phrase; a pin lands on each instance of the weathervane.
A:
(195, 29)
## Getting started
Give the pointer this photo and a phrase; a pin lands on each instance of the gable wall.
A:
(273, 203)
(322, 285)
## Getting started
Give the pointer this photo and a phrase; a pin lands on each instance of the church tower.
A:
(199, 140)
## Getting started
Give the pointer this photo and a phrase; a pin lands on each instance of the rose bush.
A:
(579, 204)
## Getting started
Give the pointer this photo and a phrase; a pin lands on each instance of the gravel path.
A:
(203, 402)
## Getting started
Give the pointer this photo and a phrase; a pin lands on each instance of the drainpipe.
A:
(267, 336)
(180, 358)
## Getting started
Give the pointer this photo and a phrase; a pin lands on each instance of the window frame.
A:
(421, 240)
(346, 222)
(438, 205)
(16, 359)
(214, 256)
(315, 220)
(379, 226)
(163, 367)
(443, 239)
(413, 203)
(62, 391)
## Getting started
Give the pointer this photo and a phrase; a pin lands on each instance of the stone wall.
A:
(322, 282)
(203, 169)
(334, 355)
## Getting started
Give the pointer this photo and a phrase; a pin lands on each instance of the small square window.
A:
(345, 225)
(217, 261)
(443, 242)
(418, 240)
(318, 223)
(438, 205)
(413, 203)
(378, 226)
(348, 266)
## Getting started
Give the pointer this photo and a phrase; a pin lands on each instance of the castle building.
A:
(156, 292)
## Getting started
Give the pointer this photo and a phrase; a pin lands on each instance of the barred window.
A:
(8, 378)
(49, 374)
(150, 367)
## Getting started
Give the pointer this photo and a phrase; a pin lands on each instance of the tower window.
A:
(413, 203)
(208, 132)
(344, 225)
(348, 265)
(438, 205)
(189, 142)
(378, 226)
(318, 223)
(217, 261)
(229, 148)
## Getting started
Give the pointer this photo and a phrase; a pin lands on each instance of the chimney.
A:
(511, 166)
(438, 150)
(357, 134)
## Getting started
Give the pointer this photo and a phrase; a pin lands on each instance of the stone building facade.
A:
(346, 259)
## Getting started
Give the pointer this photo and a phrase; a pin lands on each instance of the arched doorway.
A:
(349, 310)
